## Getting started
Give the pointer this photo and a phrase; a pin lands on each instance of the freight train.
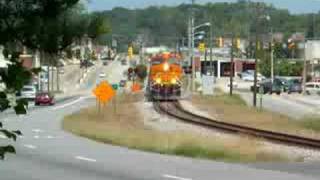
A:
(165, 77)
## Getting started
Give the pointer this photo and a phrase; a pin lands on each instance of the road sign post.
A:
(115, 87)
(104, 93)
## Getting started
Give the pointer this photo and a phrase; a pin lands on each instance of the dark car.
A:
(86, 64)
(105, 62)
(268, 87)
(44, 98)
(293, 85)
(124, 62)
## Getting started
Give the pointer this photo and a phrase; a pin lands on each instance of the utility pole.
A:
(304, 75)
(192, 46)
(232, 65)
(256, 55)
(210, 45)
(272, 57)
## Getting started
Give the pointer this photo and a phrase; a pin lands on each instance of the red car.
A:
(44, 98)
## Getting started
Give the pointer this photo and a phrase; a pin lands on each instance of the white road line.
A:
(174, 177)
(85, 159)
(37, 130)
(68, 104)
(50, 137)
(30, 146)
(36, 137)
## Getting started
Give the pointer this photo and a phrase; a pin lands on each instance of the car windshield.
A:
(159, 89)
(27, 89)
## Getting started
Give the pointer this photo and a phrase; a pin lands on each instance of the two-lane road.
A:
(47, 152)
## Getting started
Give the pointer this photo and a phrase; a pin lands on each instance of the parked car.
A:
(269, 87)
(61, 71)
(313, 88)
(102, 75)
(250, 77)
(86, 64)
(105, 62)
(294, 86)
(28, 92)
(124, 62)
(245, 73)
(44, 98)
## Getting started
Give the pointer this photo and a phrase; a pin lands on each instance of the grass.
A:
(312, 123)
(234, 110)
(127, 129)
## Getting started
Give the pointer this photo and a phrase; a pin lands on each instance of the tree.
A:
(141, 71)
(32, 24)
(98, 25)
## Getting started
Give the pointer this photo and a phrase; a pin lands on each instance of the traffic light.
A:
(202, 47)
(238, 43)
(130, 52)
(220, 42)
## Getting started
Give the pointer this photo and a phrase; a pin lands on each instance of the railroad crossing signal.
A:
(202, 47)
(130, 52)
(104, 92)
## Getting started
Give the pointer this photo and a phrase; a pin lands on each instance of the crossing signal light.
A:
(202, 47)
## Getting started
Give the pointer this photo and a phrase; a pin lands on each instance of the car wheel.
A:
(289, 92)
(278, 93)
(308, 93)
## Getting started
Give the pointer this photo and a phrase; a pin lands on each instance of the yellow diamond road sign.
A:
(104, 92)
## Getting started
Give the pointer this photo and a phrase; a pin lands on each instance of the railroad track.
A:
(174, 109)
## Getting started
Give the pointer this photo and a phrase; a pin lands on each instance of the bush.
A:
(141, 71)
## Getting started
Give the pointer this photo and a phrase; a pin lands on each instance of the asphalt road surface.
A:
(45, 152)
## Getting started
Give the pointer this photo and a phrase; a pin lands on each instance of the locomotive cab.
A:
(165, 78)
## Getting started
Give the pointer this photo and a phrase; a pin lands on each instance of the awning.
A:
(4, 63)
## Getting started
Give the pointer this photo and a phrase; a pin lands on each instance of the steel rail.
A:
(174, 109)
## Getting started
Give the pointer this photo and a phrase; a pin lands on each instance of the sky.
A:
(294, 6)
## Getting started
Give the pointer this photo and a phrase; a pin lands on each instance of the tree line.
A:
(167, 25)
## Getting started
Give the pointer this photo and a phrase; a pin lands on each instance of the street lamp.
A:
(202, 25)
(192, 35)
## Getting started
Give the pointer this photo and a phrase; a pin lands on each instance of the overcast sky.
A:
(295, 6)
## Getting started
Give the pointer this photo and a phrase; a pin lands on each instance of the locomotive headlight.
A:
(158, 80)
(166, 67)
(173, 81)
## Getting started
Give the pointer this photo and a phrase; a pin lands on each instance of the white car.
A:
(28, 92)
(250, 77)
(102, 75)
(313, 88)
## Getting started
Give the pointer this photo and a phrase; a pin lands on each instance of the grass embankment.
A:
(127, 129)
(234, 110)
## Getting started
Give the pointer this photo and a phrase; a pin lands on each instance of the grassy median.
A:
(126, 128)
(234, 109)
